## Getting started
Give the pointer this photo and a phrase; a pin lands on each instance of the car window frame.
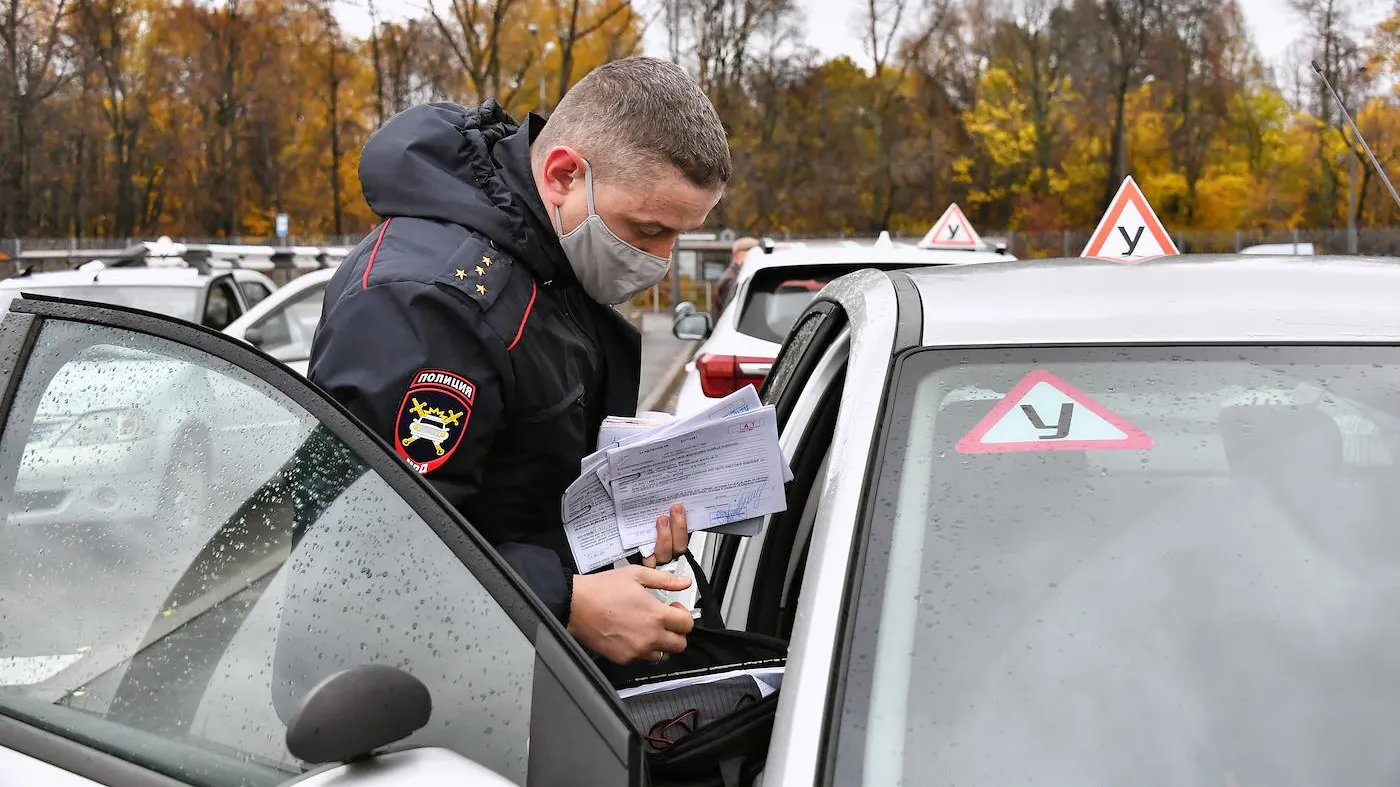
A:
(804, 356)
(248, 301)
(317, 291)
(768, 561)
(561, 665)
(236, 306)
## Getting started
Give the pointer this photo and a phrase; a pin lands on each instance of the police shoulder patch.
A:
(433, 418)
(478, 270)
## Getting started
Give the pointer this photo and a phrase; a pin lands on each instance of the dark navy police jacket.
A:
(457, 331)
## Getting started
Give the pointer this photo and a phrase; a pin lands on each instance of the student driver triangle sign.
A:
(952, 231)
(1130, 230)
(1044, 413)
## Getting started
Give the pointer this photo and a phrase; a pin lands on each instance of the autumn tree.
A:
(186, 117)
(1125, 30)
(1330, 28)
(34, 64)
(111, 37)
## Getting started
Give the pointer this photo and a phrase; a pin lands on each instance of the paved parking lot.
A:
(660, 353)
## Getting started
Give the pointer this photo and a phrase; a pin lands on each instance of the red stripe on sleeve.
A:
(375, 253)
(534, 288)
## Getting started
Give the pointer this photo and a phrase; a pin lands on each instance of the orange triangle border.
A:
(973, 238)
(1128, 192)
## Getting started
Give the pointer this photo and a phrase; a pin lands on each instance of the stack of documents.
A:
(723, 464)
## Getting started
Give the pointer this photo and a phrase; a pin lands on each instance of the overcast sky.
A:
(1274, 26)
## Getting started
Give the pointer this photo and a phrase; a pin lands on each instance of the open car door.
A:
(195, 538)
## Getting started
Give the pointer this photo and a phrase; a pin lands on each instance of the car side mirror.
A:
(683, 308)
(691, 327)
(254, 337)
(355, 711)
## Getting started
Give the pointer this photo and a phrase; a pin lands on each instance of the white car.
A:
(771, 290)
(210, 297)
(1280, 250)
(283, 325)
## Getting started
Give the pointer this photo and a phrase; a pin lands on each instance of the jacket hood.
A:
(435, 161)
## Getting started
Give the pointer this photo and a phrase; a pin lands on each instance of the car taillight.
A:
(721, 375)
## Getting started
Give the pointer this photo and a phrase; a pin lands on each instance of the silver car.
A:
(1078, 522)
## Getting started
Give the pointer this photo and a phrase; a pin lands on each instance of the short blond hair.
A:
(630, 115)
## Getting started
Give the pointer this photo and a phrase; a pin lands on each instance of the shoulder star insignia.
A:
(480, 289)
(461, 274)
(480, 271)
(486, 261)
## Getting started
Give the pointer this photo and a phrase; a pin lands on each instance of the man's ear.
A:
(560, 174)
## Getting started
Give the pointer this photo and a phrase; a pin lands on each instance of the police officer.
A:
(474, 328)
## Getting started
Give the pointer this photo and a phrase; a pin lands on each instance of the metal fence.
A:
(1022, 244)
(12, 247)
(1069, 243)
(1031, 245)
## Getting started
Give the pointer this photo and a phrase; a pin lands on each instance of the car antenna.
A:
(1375, 165)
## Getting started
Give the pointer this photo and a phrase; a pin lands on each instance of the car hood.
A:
(85, 386)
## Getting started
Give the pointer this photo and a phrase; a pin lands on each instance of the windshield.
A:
(1132, 566)
(179, 302)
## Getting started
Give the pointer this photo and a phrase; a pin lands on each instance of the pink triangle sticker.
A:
(1044, 413)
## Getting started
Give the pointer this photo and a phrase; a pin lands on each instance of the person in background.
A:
(724, 289)
(475, 328)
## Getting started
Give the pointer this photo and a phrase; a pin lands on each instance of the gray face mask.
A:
(610, 270)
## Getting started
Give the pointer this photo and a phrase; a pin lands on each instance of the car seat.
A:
(1296, 454)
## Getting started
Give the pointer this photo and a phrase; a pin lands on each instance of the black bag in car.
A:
(713, 734)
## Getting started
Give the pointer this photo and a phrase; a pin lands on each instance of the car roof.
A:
(169, 277)
(1186, 298)
(840, 254)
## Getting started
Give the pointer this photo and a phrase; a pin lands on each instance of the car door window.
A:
(769, 567)
(221, 305)
(186, 551)
(287, 331)
(253, 292)
(812, 334)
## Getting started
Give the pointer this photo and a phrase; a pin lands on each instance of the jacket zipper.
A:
(568, 307)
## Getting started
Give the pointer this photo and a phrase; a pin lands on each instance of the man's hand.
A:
(614, 616)
(672, 537)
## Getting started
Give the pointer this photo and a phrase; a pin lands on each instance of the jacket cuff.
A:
(545, 573)
(568, 606)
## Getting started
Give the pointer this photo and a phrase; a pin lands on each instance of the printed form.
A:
(723, 464)
(590, 523)
(724, 472)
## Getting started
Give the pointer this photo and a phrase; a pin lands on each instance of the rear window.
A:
(777, 296)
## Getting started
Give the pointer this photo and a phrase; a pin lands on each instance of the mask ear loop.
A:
(588, 196)
(588, 184)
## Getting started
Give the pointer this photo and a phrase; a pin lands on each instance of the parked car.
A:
(772, 289)
(148, 448)
(284, 324)
(212, 298)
